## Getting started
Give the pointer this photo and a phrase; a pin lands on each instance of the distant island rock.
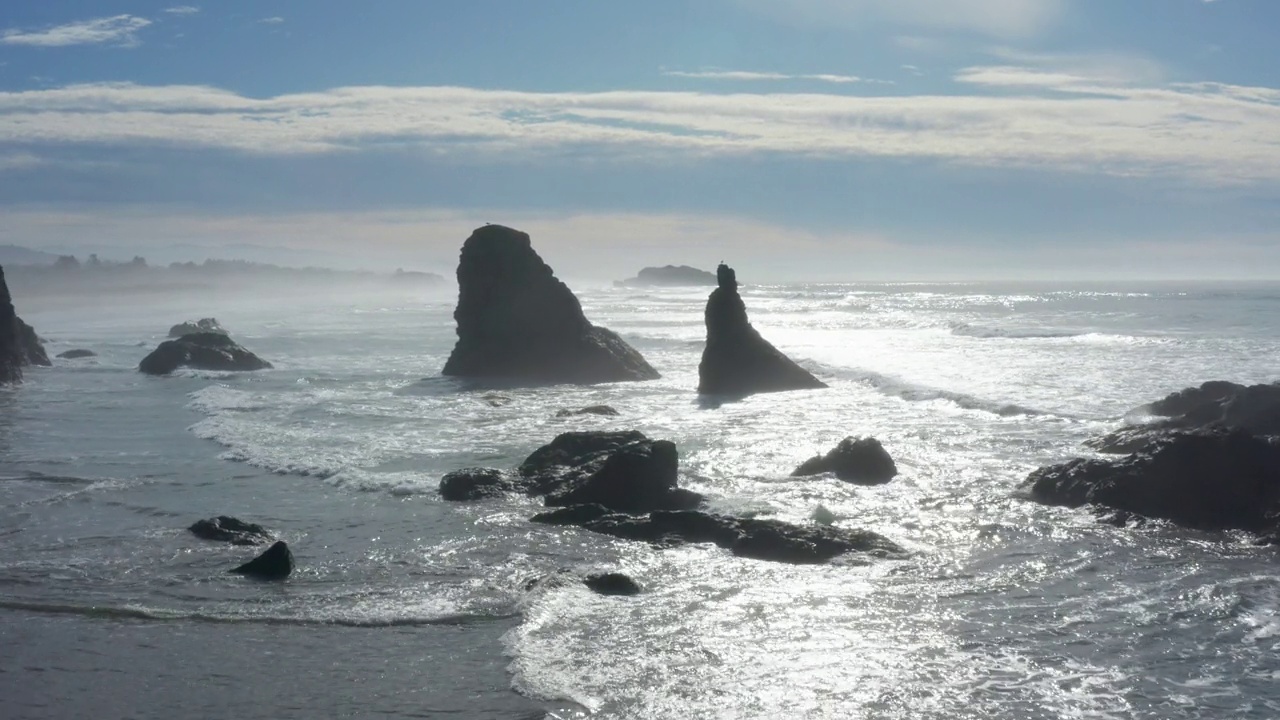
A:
(202, 351)
(416, 277)
(672, 275)
(203, 325)
(737, 361)
(19, 345)
(516, 321)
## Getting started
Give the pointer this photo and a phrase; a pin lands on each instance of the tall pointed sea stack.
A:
(738, 362)
(516, 321)
(19, 346)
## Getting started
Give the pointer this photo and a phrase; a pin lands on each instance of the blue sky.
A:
(825, 139)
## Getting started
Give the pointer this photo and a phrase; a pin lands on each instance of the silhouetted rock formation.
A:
(862, 461)
(19, 345)
(624, 471)
(670, 275)
(77, 354)
(518, 322)
(611, 584)
(1207, 478)
(603, 410)
(1254, 408)
(274, 564)
(203, 351)
(228, 529)
(203, 325)
(738, 362)
(756, 538)
(477, 484)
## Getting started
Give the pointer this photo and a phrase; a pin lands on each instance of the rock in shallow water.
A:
(274, 564)
(516, 321)
(737, 361)
(612, 584)
(603, 410)
(224, 528)
(477, 484)
(202, 351)
(862, 461)
(77, 354)
(1253, 408)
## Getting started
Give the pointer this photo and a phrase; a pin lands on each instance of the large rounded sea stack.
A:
(738, 362)
(517, 322)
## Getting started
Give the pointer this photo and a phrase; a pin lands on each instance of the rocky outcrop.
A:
(203, 325)
(1208, 478)
(669, 275)
(756, 538)
(862, 461)
(19, 345)
(602, 410)
(736, 361)
(517, 322)
(231, 530)
(77, 354)
(274, 564)
(202, 351)
(612, 584)
(624, 471)
(1253, 408)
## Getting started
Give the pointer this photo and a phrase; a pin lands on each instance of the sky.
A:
(832, 140)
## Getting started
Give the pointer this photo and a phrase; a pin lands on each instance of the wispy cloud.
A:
(276, 20)
(996, 18)
(120, 30)
(1207, 132)
(749, 76)
(182, 10)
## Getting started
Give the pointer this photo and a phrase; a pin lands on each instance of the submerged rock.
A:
(203, 325)
(755, 538)
(1253, 408)
(516, 321)
(862, 461)
(612, 584)
(203, 351)
(77, 354)
(228, 529)
(603, 410)
(19, 344)
(669, 275)
(737, 361)
(1207, 478)
(477, 484)
(276, 563)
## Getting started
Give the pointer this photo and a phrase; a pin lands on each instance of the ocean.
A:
(404, 605)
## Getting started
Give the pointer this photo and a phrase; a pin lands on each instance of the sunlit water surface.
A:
(404, 605)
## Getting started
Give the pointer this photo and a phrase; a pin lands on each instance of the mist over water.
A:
(410, 606)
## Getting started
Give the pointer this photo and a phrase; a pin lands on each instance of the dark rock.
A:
(604, 410)
(76, 354)
(203, 351)
(516, 321)
(737, 361)
(1254, 408)
(755, 538)
(1208, 478)
(232, 530)
(638, 477)
(477, 484)
(611, 584)
(203, 325)
(274, 564)
(574, 449)
(669, 275)
(19, 345)
(862, 461)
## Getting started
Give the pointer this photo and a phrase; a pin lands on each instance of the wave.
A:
(978, 331)
(912, 392)
(138, 612)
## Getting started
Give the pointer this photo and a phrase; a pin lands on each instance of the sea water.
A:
(407, 606)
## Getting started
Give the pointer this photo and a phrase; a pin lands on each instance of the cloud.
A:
(996, 18)
(182, 10)
(271, 20)
(746, 75)
(118, 30)
(1024, 117)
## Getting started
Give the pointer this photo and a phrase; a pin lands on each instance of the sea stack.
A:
(19, 345)
(738, 362)
(517, 322)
